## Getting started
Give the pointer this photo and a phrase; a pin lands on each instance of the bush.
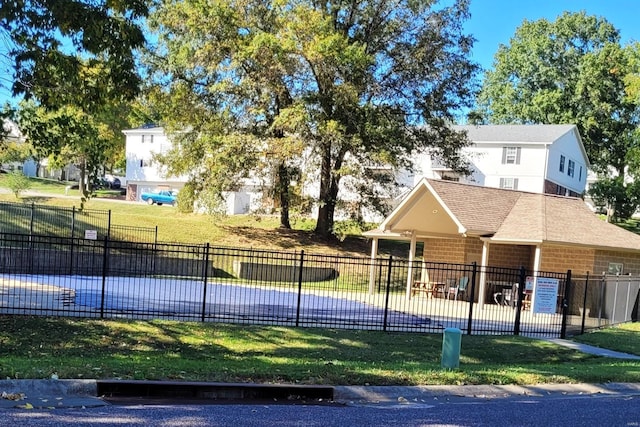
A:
(18, 182)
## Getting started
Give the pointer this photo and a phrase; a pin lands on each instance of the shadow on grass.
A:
(219, 352)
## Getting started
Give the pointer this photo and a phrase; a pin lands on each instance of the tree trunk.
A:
(84, 184)
(284, 180)
(327, 198)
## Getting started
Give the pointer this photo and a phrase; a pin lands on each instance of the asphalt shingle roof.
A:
(518, 217)
(515, 133)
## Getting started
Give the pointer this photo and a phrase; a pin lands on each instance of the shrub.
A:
(18, 182)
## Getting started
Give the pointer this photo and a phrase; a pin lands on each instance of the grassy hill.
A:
(245, 231)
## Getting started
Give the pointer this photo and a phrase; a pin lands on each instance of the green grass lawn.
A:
(624, 338)
(84, 348)
(166, 350)
(244, 231)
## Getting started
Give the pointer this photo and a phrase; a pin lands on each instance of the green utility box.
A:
(451, 342)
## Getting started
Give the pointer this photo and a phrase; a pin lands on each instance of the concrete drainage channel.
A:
(127, 392)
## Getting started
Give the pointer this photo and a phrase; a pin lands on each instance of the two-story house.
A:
(548, 159)
(143, 174)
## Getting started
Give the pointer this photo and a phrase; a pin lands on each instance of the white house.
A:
(547, 159)
(544, 159)
(32, 168)
(143, 174)
(14, 135)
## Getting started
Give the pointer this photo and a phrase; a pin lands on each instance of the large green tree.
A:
(331, 88)
(49, 42)
(68, 135)
(571, 70)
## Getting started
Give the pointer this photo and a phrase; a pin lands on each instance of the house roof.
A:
(437, 208)
(516, 133)
(148, 128)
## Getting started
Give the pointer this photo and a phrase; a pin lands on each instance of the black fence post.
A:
(33, 206)
(205, 279)
(109, 224)
(386, 294)
(584, 304)
(299, 287)
(519, 298)
(565, 305)
(104, 274)
(73, 229)
(474, 265)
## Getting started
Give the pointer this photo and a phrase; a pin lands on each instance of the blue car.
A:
(161, 197)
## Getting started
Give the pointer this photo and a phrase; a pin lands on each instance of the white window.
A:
(510, 155)
(571, 167)
(509, 183)
(561, 163)
(147, 138)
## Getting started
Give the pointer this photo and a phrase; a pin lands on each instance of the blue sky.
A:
(494, 22)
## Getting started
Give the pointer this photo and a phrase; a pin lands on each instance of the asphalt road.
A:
(554, 411)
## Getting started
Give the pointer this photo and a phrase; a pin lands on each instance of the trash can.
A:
(451, 341)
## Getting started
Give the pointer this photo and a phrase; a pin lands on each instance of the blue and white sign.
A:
(546, 295)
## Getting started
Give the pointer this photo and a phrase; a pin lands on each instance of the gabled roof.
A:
(516, 133)
(148, 128)
(437, 208)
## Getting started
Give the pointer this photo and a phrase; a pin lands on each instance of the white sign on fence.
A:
(546, 297)
(91, 234)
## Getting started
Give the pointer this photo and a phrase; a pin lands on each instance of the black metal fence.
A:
(111, 278)
(43, 220)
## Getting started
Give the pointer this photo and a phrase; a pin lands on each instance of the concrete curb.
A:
(441, 394)
(52, 394)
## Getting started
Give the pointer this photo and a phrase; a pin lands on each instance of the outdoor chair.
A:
(460, 288)
(509, 297)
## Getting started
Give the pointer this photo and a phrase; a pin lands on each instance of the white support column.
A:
(536, 268)
(483, 275)
(372, 268)
(412, 254)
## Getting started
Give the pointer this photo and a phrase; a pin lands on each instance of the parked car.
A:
(110, 181)
(160, 197)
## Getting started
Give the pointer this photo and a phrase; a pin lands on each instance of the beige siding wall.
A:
(445, 250)
(510, 256)
(562, 258)
(630, 261)
(473, 251)
(554, 258)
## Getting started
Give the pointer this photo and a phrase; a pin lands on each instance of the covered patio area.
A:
(464, 224)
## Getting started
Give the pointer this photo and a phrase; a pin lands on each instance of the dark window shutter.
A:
(501, 182)
(515, 180)
(518, 155)
(504, 155)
